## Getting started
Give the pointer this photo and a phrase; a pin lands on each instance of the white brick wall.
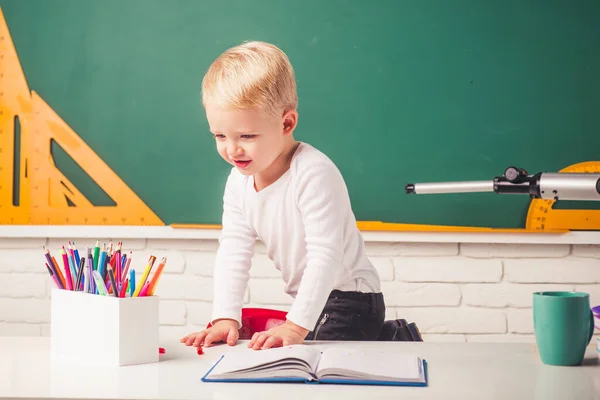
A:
(455, 292)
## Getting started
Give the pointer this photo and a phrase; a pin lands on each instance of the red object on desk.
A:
(161, 350)
(200, 352)
(258, 320)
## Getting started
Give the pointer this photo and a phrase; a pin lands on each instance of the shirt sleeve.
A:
(234, 255)
(324, 205)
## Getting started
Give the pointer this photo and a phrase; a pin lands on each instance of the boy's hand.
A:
(224, 330)
(282, 335)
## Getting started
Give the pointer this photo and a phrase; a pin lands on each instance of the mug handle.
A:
(591, 326)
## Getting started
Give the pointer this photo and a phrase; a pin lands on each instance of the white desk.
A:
(456, 370)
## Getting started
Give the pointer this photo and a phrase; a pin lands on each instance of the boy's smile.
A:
(242, 164)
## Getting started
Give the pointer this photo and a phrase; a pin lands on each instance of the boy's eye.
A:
(219, 137)
(248, 136)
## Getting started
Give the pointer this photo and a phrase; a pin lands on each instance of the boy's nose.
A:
(234, 151)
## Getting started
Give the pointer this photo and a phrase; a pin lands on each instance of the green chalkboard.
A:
(394, 91)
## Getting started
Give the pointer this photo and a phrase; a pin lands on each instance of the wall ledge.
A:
(167, 232)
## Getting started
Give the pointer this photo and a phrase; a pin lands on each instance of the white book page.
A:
(244, 360)
(377, 365)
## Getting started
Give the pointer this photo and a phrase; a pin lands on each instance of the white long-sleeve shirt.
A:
(307, 224)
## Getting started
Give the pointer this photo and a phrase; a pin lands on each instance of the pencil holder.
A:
(104, 330)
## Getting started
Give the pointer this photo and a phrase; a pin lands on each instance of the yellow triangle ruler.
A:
(34, 190)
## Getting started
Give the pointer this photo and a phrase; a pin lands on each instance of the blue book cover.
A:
(313, 365)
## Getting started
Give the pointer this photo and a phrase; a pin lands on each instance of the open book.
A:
(303, 363)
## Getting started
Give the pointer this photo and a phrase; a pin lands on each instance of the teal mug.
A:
(564, 325)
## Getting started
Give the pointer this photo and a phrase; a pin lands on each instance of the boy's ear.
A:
(290, 120)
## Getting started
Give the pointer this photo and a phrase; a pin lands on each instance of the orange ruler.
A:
(32, 189)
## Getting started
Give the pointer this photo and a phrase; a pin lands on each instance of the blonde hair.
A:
(251, 75)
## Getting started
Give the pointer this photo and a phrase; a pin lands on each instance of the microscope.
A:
(543, 185)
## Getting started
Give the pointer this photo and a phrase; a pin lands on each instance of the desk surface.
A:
(456, 370)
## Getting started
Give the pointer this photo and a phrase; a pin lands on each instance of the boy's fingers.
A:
(200, 337)
(270, 342)
(189, 339)
(232, 337)
(260, 341)
(210, 338)
(254, 337)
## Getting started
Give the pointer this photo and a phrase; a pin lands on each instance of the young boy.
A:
(290, 196)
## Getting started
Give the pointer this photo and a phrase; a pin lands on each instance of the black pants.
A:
(350, 316)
